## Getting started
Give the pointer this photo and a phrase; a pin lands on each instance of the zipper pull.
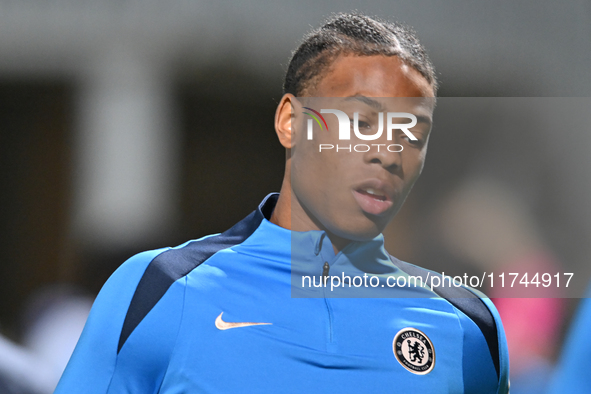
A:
(325, 269)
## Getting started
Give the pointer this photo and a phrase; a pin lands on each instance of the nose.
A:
(389, 156)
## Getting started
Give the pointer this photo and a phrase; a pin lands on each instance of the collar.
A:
(309, 250)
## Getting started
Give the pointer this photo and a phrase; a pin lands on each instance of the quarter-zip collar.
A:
(306, 254)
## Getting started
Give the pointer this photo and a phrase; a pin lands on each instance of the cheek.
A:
(421, 160)
(317, 159)
(310, 173)
(414, 162)
(321, 183)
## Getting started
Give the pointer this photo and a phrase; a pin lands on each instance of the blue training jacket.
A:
(220, 315)
(572, 371)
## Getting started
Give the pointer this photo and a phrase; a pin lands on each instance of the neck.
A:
(289, 214)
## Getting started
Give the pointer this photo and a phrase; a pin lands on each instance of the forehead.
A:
(371, 76)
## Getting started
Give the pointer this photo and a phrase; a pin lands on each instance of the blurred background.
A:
(128, 125)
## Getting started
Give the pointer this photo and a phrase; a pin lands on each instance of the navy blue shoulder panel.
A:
(467, 302)
(174, 264)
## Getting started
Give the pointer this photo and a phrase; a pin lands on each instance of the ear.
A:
(283, 120)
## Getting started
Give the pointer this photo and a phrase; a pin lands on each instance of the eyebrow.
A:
(380, 108)
(424, 119)
(366, 100)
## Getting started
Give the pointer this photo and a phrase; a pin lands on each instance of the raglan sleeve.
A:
(503, 350)
(97, 365)
(485, 353)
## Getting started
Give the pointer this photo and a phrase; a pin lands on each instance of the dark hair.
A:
(353, 34)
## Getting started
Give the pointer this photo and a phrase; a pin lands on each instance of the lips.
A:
(374, 196)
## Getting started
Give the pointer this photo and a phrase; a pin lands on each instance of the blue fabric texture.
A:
(160, 323)
(572, 372)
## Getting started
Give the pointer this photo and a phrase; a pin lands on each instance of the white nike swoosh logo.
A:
(223, 325)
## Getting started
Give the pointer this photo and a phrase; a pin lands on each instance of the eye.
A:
(362, 126)
(417, 142)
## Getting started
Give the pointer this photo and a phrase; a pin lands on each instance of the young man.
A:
(231, 312)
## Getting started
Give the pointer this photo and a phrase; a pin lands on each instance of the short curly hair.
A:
(353, 34)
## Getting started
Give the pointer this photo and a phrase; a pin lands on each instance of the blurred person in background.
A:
(485, 223)
(22, 371)
(53, 321)
(572, 370)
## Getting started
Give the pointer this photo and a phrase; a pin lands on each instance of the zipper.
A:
(325, 271)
